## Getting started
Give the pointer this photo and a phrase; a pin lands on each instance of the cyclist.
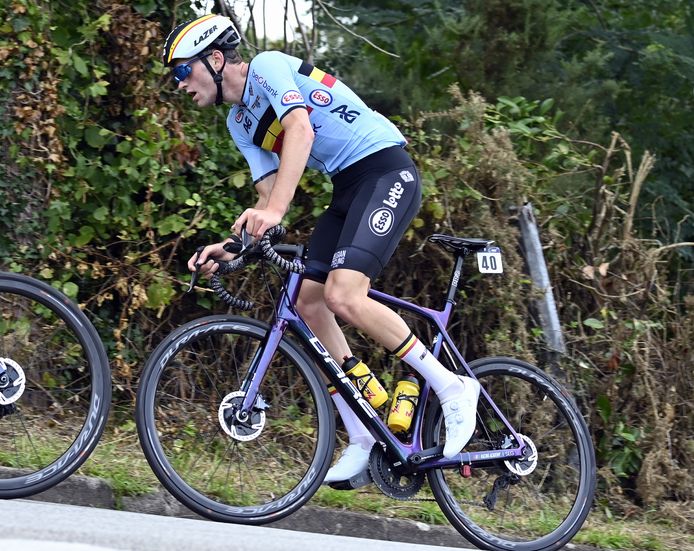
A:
(285, 116)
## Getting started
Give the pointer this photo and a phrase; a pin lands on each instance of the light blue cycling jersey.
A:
(346, 130)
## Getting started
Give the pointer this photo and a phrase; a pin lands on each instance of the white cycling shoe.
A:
(353, 461)
(460, 416)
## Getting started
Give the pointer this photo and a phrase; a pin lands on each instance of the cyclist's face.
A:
(198, 83)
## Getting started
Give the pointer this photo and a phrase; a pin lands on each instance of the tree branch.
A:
(330, 15)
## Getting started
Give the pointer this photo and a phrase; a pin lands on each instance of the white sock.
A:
(356, 430)
(416, 355)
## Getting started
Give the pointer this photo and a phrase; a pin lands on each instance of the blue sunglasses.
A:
(182, 71)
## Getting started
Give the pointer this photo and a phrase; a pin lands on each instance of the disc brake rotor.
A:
(12, 381)
(525, 465)
(391, 479)
(232, 421)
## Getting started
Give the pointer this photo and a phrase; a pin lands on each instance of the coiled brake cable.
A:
(247, 254)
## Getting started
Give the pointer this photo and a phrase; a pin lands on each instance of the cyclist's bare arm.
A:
(298, 139)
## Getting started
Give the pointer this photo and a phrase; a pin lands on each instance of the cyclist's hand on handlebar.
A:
(205, 261)
(257, 221)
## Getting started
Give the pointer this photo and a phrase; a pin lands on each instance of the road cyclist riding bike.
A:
(233, 413)
(287, 115)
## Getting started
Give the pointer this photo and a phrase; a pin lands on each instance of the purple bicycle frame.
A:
(288, 318)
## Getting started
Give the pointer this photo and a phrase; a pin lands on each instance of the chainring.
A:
(392, 480)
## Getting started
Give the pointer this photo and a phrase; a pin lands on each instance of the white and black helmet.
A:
(194, 37)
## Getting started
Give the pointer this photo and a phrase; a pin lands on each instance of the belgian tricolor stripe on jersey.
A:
(310, 71)
(269, 134)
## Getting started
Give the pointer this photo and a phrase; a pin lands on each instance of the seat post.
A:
(455, 278)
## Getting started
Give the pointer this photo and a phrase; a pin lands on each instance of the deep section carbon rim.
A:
(535, 504)
(55, 386)
(251, 470)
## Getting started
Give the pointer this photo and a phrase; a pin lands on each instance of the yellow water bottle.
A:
(365, 381)
(404, 402)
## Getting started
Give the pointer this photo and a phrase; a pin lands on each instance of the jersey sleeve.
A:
(261, 162)
(274, 78)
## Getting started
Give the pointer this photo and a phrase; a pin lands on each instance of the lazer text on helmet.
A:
(204, 35)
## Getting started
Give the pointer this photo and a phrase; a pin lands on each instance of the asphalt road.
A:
(40, 526)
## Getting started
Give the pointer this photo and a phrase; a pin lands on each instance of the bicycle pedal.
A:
(357, 481)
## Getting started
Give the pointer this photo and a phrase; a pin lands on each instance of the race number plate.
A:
(489, 261)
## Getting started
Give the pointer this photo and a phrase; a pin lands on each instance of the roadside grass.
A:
(119, 460)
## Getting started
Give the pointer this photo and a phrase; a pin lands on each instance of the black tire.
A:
(52, 422)
(189, 375)
(543, 509)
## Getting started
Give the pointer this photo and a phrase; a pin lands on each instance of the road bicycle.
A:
(237, 424)
(55, 386)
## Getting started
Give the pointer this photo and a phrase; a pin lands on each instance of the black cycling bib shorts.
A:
(374, 201)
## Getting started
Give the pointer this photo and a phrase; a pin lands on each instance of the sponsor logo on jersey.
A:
(322, 98)
(204, 35)
(406, 176)
(344, 114)
(293, 97)
(256, 103)
(381, 221)
(263, 83)
(239, 116)
(394, 195)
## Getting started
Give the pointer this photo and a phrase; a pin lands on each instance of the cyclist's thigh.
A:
(323, 243)
(377, 218)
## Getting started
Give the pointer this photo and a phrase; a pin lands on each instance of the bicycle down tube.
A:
(287, 318)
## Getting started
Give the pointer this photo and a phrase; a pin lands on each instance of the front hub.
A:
(12, 381)
(240, 425)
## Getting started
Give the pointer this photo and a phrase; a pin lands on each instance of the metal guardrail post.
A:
(534, 257)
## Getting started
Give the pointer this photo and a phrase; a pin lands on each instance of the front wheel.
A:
(537, 503)
(55, 386)
(247, 471)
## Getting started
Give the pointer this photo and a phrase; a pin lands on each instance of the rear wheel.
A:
(249, 471)
(55, 386)
(537, 503)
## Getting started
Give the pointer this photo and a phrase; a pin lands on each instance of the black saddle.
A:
(460, 245)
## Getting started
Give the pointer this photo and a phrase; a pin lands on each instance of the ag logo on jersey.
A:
(321, 98)
(293, 97)
(346, 115)
(381, 221)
